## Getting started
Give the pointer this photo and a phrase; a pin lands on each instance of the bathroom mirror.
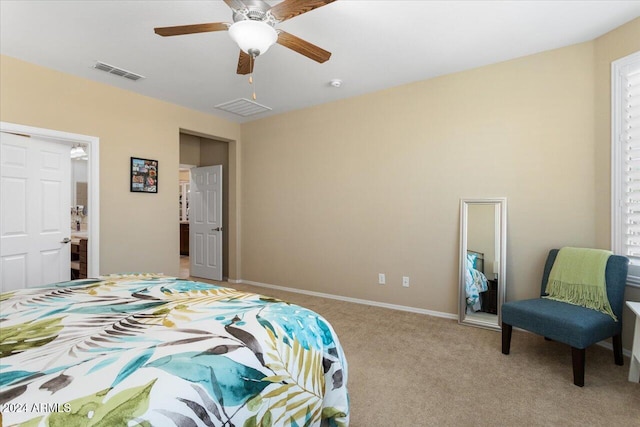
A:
(483, 254)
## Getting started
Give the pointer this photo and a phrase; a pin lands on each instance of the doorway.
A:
(197, 150)
(69, 140)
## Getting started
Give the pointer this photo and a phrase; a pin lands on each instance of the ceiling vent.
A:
(243, 107)
(117, 71)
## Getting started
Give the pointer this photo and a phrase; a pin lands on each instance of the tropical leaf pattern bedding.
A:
(475, 282)
(150, 350)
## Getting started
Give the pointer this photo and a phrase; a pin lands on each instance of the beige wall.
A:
(189, 150)
(138, 232)
(335, 194)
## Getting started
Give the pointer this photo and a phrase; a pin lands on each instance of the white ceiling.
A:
(374, 44)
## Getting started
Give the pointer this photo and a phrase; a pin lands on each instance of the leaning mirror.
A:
(483, 254)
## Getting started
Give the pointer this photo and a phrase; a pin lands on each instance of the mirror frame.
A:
(501, 203)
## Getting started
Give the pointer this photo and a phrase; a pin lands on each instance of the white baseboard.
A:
(608, 345)
(349, 299)
(604, 344)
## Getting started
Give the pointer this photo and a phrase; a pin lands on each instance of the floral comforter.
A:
(150, 350)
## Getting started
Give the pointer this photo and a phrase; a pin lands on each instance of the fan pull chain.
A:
(251, 65)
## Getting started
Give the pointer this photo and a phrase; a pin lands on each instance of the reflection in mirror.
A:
(79, 192)
(483, 226)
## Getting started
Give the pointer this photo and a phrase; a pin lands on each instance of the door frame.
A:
(232, 207)
(93, 177)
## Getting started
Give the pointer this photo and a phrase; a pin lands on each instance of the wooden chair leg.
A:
(506, 338)
(578, 358)
(617, 350)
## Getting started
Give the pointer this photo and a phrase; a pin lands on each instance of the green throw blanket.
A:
(578, 277)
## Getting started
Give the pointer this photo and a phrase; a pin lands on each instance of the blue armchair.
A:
(571, 324)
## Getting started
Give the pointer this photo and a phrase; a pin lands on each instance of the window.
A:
(625, 123)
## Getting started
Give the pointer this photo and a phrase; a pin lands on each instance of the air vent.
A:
(117, 71)
(243, 107)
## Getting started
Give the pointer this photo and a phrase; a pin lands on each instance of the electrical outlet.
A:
(405, 281)
(381, 279)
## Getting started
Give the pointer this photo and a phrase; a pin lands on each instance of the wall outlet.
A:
(382, 279)
(405, 281)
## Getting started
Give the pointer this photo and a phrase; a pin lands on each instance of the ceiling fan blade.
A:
(235, 4)
(303, 47)
(191, 29)
(287, 9)
(245, 64)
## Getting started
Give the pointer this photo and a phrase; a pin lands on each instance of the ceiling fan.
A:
(254, 31)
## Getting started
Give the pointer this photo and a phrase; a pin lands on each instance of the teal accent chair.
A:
(579, 327)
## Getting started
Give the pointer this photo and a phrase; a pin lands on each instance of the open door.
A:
(205, 222)
(34, 212)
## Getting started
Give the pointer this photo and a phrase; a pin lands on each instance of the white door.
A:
(35, 212)
(205, 222)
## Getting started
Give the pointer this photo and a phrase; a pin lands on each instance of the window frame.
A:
(617, 173)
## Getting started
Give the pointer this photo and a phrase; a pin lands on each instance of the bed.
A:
(475, 280)
(151, 350)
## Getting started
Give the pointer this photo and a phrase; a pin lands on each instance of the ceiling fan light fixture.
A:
(253, 37)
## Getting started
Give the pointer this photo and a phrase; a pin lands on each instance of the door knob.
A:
(217, 229)
(66, 240)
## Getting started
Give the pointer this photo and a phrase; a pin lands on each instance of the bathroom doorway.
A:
(200, 151)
